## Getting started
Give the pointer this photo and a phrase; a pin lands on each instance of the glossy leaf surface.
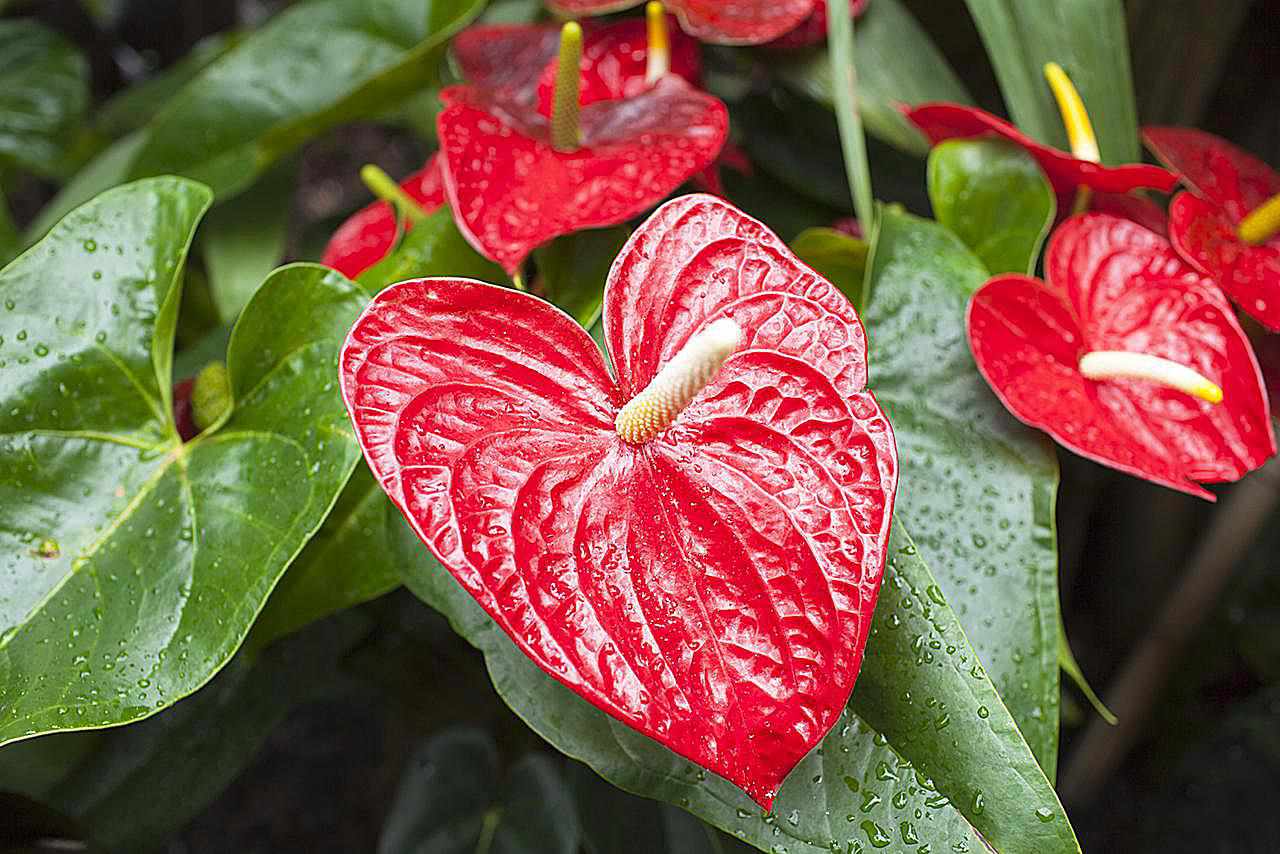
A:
(453, 799)
(44, 88)
(312, 67)
(732, 631)
(715, 21)
(1086, 37)
(978, 488)
(913, 783)
(511, 191)
(994, 197)
(111, 525)
(1113, 285)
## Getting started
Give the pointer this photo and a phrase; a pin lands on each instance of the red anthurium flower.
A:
(715, 21)
(1120, 354)
(516, 177)
(813, 29)
(1228, 227)
(368, 234)
(1066, 172)
(694, 547)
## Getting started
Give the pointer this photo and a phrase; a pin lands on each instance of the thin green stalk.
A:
(853, 142)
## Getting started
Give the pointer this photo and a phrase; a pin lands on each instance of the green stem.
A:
(853, 143)
(384, 187)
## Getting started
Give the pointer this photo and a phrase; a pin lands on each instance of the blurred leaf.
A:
(837, 256)
(135, 106)
(433, 247)
(10, 240)
(977, 487)
(243, 240)
(896, 63)
(312, 67)
(993, 196)
(923, 708)
(1067, 661)
(44, 87)
(108, 169)
(136, 563)
(795, 140)
(452, 801)
(1087, 38)
(572, 270)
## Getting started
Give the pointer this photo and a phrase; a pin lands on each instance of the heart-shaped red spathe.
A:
(367, 236)
(1113, 285)
(942, 121)
(521, 60)
(813, 29)
(715, 21)
(712, 588)
(511, 191)
(1227, 184)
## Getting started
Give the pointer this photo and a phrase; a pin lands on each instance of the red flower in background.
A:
(1211, 226)
(813, 29)
(715, 21)
(1074, 357)
(696, 547)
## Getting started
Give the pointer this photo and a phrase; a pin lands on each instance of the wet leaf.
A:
(978, 487)
(993, 196)
(133, 563)
(44, 88)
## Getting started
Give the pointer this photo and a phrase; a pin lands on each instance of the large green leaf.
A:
(44, 87)
(977, 487)
(433, 247)
(572, 270)
(134, 564)
(993, 196)
(1086, 37)
(314, 66)
(453, 800)
(923, 752)
(109, 168)
(896, 63)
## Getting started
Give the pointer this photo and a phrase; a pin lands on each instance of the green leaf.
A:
(840, 258)
(44, 88)
(314, 66)
(433, 247)
(452, 800)
(993, 196)
(572, 270)
(1087, 38)
(1071, 667)
(853, 142)
(925, 733)
(897, 63)
(10, 240)
(109, 168)
(977, 487)
(243, 240)
(134, 564)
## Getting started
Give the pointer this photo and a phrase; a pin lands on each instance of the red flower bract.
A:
(511, 191)
(368, 234)
(1228, 183)
(813, 29)
(940, 122)
(713, 587)
(716, 21)
(1113, 285)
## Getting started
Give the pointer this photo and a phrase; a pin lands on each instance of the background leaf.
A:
(1087, 38)
(433, 247)
(44, 88)
(837, 256)
(572, 270)
(109, 524)
(977, 488)
(993, 196)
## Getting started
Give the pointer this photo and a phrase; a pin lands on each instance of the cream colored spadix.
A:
(1117, 364)
(678, 383)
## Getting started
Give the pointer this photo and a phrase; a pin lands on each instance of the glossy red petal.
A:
(813, 29)
(712, 588)
(1205, 235)
(1217, 170)
(940, 122)
(1131, 206)
(1116, 286)
(367, 235)
(715, 21)
(507, 57)
(511, 191)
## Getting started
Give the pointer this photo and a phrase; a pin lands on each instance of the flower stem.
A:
(384, 187)
(565, 131)
(853, 143)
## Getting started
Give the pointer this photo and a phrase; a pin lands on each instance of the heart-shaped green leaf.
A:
(134, 564)
(314, 66)
(977, 487)
(44, 87)
(920, 756)
(1089, 39)
(453, 800)
(993, 196)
